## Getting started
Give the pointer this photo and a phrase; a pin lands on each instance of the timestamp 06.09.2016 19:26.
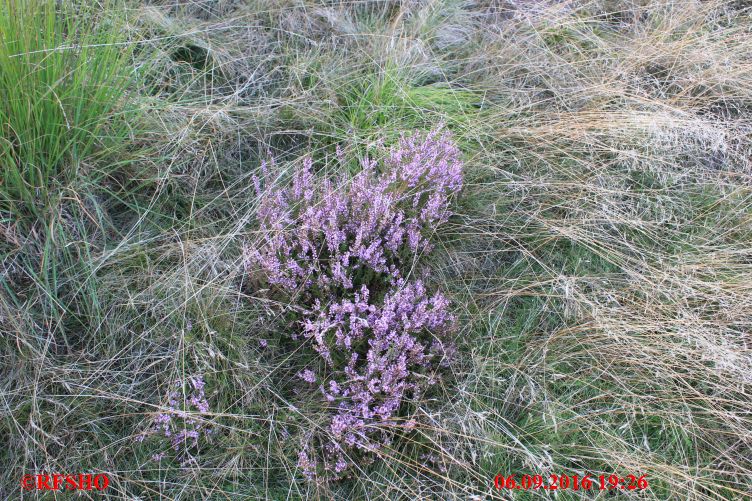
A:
(571, 482)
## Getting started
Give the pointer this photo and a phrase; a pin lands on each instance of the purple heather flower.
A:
(322, 231)
(178, 423)
(338, 248)
(306, 464)
(307, 375)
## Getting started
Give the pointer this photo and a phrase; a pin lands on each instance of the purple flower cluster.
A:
(401, 339)
(327, 235)
(342, 250)
(179, 423)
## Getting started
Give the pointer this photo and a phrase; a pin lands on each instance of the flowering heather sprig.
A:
(341, 250)
(324, 234)
(398, 341)
(179, 423)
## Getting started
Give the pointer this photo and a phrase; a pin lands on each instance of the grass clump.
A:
(63, 75)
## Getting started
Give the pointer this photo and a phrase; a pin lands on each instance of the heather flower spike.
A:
(342, 249)
(179, 423)
(321, 234)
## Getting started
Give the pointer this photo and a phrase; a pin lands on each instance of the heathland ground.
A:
(598, 258)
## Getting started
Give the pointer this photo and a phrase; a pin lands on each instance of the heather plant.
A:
(394, 350)
(329, 236)
(341, 250)
(179, 424)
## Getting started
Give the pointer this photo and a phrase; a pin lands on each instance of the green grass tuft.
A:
(63, 72)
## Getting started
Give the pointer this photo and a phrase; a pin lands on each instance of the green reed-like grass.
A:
(62, 75)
